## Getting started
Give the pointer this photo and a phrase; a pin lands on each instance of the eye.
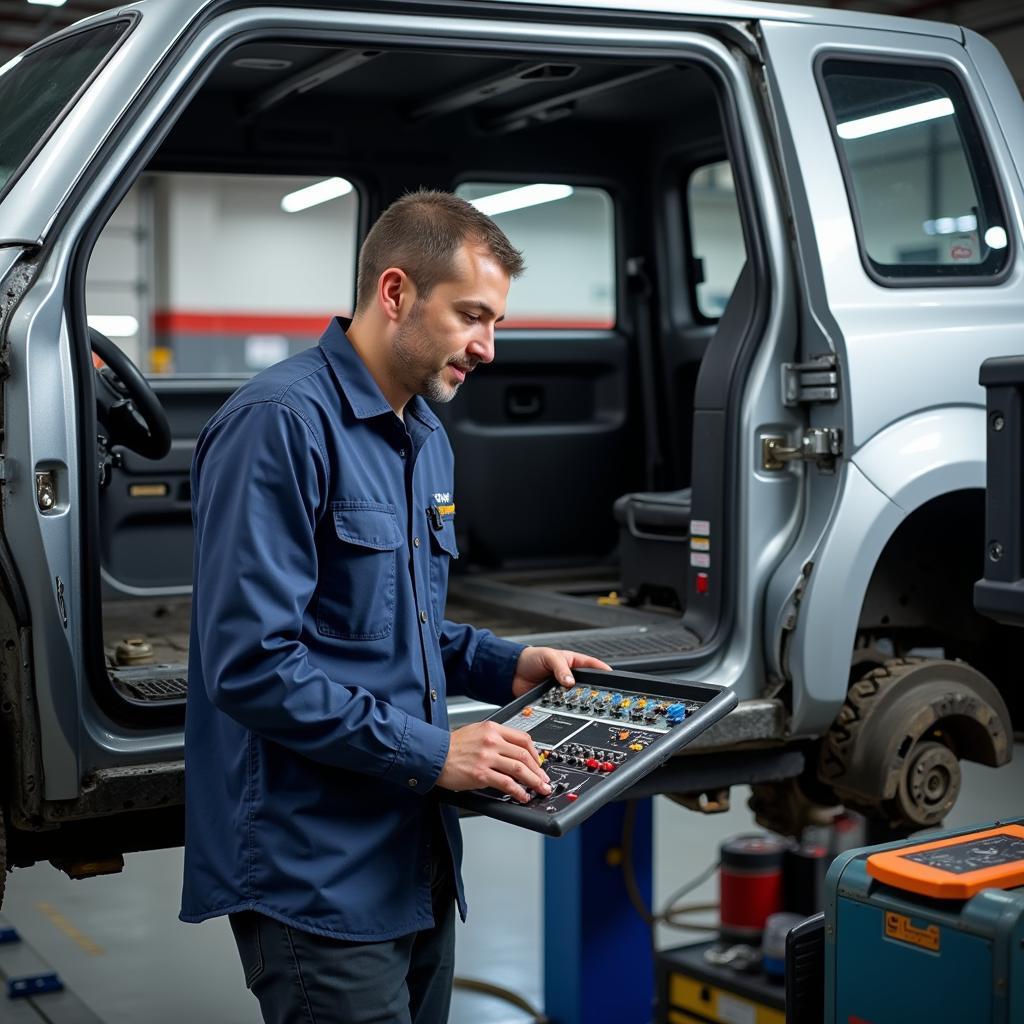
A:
(470, 318)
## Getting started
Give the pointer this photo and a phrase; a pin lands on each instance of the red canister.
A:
(750, 885)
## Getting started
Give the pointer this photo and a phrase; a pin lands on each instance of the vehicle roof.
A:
(733, 10)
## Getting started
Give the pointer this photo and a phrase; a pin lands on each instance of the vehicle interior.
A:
(576, 450)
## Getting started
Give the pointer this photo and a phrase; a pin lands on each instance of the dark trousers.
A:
(300, 978)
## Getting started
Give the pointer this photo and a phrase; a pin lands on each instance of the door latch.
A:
(821, 445)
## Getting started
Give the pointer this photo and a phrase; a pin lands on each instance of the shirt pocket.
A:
(442, 550)
(356, 594)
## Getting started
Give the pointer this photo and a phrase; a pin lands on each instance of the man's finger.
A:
(577, 660)
(506, 784)
(524, 774)
(520, 739)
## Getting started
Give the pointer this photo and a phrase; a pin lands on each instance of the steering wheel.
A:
(126, 405)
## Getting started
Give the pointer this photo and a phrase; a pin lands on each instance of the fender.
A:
(898, 470)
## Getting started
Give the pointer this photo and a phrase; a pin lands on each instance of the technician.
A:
(320, 658)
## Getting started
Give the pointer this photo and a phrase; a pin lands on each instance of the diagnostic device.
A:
(957, 868)
(595, 740)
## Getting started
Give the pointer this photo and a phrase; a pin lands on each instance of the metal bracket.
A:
(814, 381)
(821, 445)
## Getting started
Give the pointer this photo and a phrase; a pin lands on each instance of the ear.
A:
(395, 293)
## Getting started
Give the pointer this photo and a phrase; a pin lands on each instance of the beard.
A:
(416, 364)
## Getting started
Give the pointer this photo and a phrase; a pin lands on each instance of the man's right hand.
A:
(489, 755)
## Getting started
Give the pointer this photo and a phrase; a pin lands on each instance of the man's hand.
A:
(491, 755)
(537, 663)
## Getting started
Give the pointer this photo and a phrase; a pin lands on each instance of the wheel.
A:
(894, 750)
(126, 405)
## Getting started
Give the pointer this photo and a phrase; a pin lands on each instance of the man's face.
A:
(448, 333)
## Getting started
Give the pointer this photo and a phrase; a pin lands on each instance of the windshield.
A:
(37, 87)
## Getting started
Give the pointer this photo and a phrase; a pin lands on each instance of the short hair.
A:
(420, 234)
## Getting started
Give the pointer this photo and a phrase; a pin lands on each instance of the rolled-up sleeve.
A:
(260, 479)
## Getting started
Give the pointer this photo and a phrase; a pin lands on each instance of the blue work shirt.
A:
(319, 657)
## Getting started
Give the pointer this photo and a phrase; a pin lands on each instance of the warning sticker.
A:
(700, 543)
(700, 559)
(700, 527)
(901, 928)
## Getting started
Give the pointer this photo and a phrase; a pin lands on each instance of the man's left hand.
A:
(538, 663)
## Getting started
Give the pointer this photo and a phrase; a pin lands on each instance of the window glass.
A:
(37, 86)
(716, 236)
(567, 237)
(201, 274)
(924, 195)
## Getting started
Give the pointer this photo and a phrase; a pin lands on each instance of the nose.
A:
(482, 345)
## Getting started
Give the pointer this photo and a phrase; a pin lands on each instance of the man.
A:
(320, 658)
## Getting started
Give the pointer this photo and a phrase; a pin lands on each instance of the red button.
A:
(607, 767)
(593, 763)
(572, 796)
(702, 583)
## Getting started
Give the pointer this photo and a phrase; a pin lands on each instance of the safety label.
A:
(901, 928)
(700, 528)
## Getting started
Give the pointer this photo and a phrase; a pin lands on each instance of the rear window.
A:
(567, 236)
(37, 87)
(921, 185)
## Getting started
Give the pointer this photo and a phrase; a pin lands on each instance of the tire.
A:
(895, 747)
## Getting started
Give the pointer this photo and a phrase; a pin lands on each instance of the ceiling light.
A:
(313, 195)
(48, 3)
(115, 326)
(520, 198)
(898, 118)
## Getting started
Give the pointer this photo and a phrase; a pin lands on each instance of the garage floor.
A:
(118, 946)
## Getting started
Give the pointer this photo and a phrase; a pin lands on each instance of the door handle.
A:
(524, 401)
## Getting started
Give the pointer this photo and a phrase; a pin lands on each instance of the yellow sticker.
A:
(446, 510)
(899, 927)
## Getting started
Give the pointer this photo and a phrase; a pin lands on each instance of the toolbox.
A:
(928, 930)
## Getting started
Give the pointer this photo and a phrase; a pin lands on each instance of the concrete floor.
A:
(118, 946)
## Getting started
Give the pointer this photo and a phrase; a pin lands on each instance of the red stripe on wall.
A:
(178, 322)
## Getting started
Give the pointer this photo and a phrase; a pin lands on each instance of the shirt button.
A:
(414, 782)
(401, 451)
(433, 694)
(423, 616)
(415, 542)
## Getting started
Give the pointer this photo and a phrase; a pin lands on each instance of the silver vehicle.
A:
(733, 431)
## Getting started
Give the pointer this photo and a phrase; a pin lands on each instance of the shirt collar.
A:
(362, 391)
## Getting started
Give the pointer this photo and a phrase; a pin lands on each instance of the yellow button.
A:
(415, 542)
(423, 616)
(433, 694)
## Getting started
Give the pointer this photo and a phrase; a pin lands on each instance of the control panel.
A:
(595, 740)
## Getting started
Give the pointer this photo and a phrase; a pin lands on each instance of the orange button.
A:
(572, 796)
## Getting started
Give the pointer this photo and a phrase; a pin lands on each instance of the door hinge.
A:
(814, 381)
(821, 445)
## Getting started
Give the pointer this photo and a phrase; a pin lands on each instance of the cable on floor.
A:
(487, 989)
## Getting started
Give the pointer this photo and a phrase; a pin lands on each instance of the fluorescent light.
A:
(951, 225)
(48, 3)
(519, 198)
(115, 326)
(995, 238)
(899, 118)
(314, 195)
